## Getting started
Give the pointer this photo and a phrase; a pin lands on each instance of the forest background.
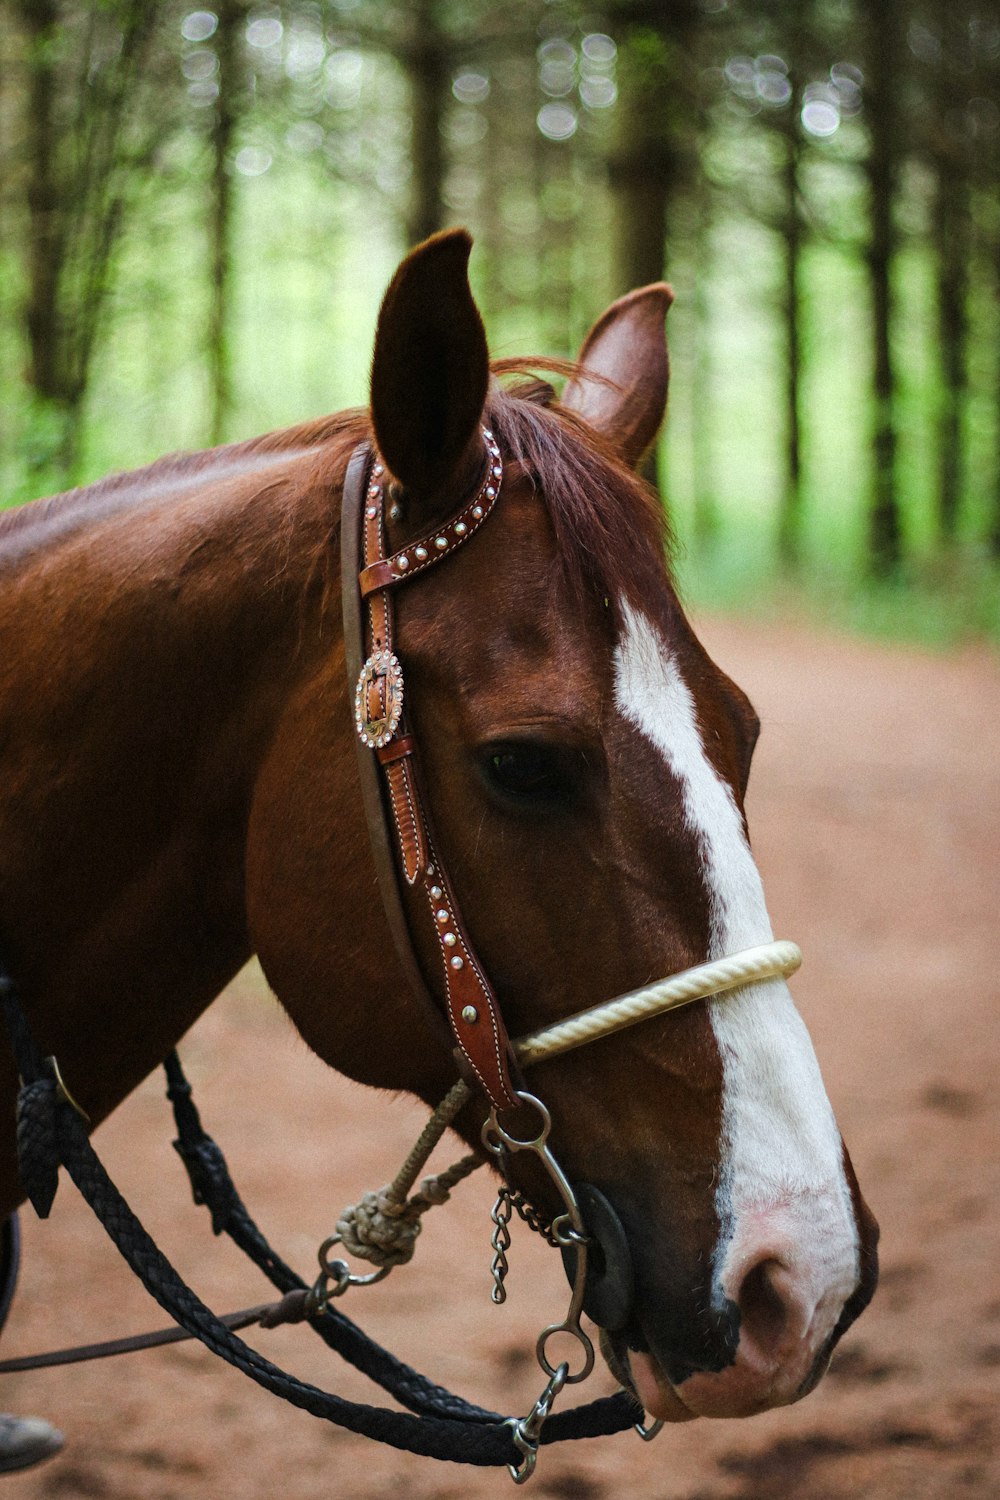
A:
(200, 208)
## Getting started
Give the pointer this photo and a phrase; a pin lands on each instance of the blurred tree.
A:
(84, 140)
(952, 236)
(885, 65)
(429, 56)
(590, 151)
(433, 41)
(655, 148)
(957, 47)
(228, 43)
(654, 151)
(790, 94)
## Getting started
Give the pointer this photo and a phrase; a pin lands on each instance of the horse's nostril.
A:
(771, 1312)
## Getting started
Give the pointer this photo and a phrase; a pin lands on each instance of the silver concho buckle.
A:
(382, 673)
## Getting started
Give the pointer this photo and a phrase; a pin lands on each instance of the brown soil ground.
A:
(876, 812)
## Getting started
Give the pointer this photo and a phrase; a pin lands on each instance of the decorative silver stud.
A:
(441, 543)
(436, 892)
(402, 562)
(460, 528)
(449, 939)
(420, 553)
(371, 512)
(490, 492)
(441, 914)
(378, 469)
(477, 511)
(470, 1014)
(458, 962)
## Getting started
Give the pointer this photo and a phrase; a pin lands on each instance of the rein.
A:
(51, 1128)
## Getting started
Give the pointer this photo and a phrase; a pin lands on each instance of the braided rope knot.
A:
(381, 1229)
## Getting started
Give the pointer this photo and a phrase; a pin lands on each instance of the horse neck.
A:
(146, 658)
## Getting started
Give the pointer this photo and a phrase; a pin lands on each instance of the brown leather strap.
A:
(268, 1315)
(355, 486)
(410, 562)
(404, 799)
(472, 1007)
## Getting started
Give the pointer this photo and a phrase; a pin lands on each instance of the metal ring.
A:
(648, 1433)
(575, 1331)
(336, 1269)
(513, 1142)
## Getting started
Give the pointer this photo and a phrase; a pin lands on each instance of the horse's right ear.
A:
(430, 369)
(626, 350)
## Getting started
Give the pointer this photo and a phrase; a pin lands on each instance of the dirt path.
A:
(876, 814)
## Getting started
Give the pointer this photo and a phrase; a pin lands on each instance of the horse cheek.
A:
(313, 909)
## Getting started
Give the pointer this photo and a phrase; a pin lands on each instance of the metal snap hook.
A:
(527, 1431)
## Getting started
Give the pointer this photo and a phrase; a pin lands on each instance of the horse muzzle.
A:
(761, 1337)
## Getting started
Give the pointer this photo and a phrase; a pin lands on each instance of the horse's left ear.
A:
(627, 350)
(430, 369)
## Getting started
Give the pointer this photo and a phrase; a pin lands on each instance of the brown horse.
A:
(179, 789)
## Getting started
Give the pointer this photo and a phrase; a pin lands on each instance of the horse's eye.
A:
(535, 775)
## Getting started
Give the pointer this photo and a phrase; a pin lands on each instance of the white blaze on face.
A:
(781, 1171)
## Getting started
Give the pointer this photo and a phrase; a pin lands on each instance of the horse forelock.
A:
(612, 533)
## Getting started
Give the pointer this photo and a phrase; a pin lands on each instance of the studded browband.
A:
(385, 739)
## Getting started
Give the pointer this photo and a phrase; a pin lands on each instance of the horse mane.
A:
(176, 469)
(611, 531)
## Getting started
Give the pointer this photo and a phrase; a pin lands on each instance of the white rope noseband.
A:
(752, 966)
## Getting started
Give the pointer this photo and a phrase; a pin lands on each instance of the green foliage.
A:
(536, 115)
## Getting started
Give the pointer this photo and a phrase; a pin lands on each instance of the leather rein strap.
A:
(388, 763)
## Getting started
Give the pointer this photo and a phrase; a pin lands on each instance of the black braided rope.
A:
(431, 1436)
(212, 1186)
(50, 1131)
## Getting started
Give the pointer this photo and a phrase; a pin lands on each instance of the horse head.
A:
(585, 764)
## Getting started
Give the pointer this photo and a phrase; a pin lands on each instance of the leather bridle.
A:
(386, 739)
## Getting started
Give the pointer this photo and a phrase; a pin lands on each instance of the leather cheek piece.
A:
(473, 1012)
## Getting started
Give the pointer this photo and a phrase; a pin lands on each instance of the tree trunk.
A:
(84, 73)
(648, 160)
(885, 58)
(705, 505)
(993, 538)
(427, 61)
(46, 240)
(643, 167)
(790, 515)
(231, 15)
(952, 249)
